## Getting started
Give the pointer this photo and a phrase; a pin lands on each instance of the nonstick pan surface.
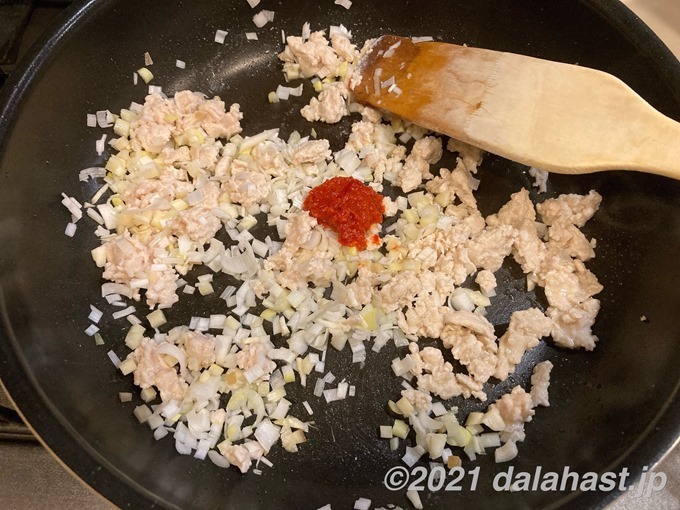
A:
(611, 409)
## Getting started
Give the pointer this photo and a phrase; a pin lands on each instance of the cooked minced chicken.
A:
(183, 173)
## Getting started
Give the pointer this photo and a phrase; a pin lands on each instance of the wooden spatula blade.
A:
(555, 116)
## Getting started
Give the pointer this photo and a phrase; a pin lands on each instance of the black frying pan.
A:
(612, 408)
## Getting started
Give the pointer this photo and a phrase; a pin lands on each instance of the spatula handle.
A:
(571, 119)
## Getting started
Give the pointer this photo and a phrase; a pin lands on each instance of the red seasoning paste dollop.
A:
(348, 206)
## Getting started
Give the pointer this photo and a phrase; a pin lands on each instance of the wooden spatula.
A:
(558, 117)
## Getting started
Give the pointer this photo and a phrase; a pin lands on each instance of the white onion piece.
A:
(412, 455)
(73, 206)
(114, 359)
(251, 141)
(177, 353)
(182, 448)
(220, 36)
(249, 399)
(414, 498)
(70, 229)
(267, 434)
(506, 452)
(260, 19)
(91, 173)
(218, 459)
(116, 288)
(243, 264)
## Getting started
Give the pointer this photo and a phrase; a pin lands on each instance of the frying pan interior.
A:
(612, 408)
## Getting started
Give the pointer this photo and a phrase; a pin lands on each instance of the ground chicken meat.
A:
(572, 329)
(162, 289)
(486, 281)
(315, 56)
(269, 158)
(478, 356)
(440, 380)
(151, 131)
(573, 209)
(198, 224)
(205, 156)
(311, 151)
(525, 330)
(171, 156)
(153, 371)
(411, 175)
(187, 101)
(381, 163)
(331, 105)
(470, 156)
(360, 291)
(299, 229)
(400, 291)
(237, 455)
(253, 355)
(390, 207)
(369, 114)
(515, 408)
(362, 136)
(126, 258)
(200, 350)
(424, 319)
(144, 193)
(439, 377)
(569, 285)
(217, 122)
(419, 399)
(476, 323)
(540, 380)
(568, 239)
(517, 210)
(453, 184)
(528, 250)
(489, 248)
(428, 148)
(310, 267)
(344, 48)
(247, 188)
(425, 152)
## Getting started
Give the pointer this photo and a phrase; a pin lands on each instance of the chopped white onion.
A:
(123, 313)
(70, 229)
(220, 36)
(362, 503)
(506, 452)
(114, 359)
(414, 498)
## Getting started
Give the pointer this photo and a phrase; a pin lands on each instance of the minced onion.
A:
(220, 36)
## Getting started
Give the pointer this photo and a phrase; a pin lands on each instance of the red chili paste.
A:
(348, 206)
